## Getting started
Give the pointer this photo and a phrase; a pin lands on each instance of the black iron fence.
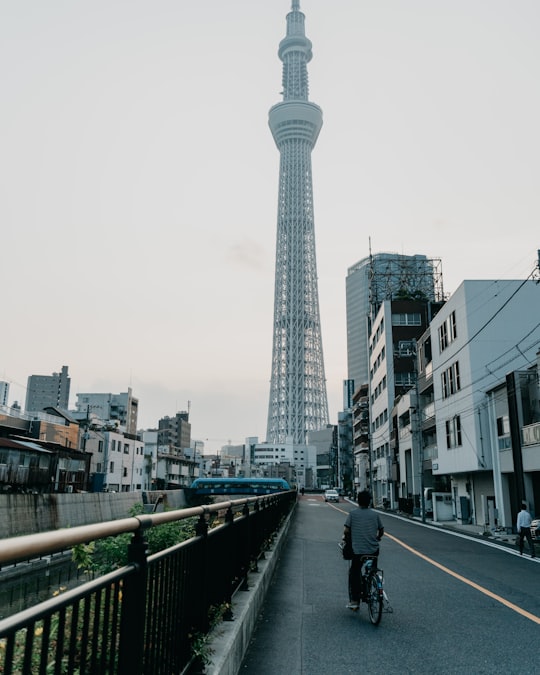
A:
(28, 583)
(148, 616)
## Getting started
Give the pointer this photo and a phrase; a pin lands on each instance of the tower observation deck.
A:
(298, 401)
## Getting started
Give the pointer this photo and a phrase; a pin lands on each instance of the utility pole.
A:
(339, 482)
(418, 431)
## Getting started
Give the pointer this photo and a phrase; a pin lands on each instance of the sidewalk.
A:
(500, 536)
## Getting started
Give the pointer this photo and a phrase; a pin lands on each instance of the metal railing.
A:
(146, 616)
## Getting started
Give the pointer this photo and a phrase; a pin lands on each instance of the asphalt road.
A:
(460, 605)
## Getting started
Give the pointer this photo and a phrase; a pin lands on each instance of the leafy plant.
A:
(201, 651)
(200, 648)
(63, 629)
(105, 555)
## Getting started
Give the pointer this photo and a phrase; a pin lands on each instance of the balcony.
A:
(531, 434)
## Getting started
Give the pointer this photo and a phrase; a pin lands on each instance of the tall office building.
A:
(298, 401)
(371, 281)
(174, 433)
(45, 391)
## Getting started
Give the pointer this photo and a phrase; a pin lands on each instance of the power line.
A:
(499, 310)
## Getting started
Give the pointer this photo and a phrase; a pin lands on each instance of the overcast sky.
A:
(138, 181)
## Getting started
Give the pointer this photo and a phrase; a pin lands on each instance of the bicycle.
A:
(372, 589)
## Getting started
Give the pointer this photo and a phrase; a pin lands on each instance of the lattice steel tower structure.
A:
(298, 402)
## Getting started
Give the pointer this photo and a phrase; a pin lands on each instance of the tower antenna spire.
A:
(298, 402)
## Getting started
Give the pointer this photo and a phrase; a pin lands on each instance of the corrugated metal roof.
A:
(22, 445)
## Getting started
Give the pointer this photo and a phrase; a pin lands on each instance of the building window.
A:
(111, 467)
(453, 432)
(412, 319)
(503, 433)
(444, 384)
(452, 324)
(447, 331)
(443, 337)
(503, 425)
(450, 380)
(98, 467)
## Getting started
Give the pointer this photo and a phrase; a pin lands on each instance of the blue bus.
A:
(239, 486)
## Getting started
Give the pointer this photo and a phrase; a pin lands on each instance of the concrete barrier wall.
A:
(28, 514)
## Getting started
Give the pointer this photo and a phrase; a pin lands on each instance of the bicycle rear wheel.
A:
(375, 598)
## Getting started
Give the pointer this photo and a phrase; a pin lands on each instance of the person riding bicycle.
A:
(365, 528)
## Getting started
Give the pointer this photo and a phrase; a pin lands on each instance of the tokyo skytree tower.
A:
(298, 401)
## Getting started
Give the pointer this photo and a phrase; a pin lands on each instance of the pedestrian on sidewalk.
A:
(524, 529)
(365, 528)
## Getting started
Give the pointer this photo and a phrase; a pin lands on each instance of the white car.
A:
(331, 496)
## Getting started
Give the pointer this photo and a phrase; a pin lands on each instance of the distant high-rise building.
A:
(298, 401)
(371, 281)
(4, 393)
(174, 433)
(44, 391)
(123, 408)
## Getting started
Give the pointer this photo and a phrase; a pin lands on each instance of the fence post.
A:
(200, 612)
(133, 619)
(228, 613)
(246, 548)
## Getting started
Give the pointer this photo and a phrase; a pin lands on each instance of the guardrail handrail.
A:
(29, 546)
(153, 614)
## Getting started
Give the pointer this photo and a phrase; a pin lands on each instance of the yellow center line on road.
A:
(490, 594)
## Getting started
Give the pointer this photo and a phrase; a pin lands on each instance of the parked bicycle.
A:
(373, 593)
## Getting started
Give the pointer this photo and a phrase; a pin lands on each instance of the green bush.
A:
(105, 555)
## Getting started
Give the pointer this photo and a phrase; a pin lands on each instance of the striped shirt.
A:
(364, 525)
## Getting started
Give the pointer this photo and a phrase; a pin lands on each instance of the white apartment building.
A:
(470, 428)
(122, 408)
(302, 459)
(485, 330)
(117, 460)
(514, 415)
